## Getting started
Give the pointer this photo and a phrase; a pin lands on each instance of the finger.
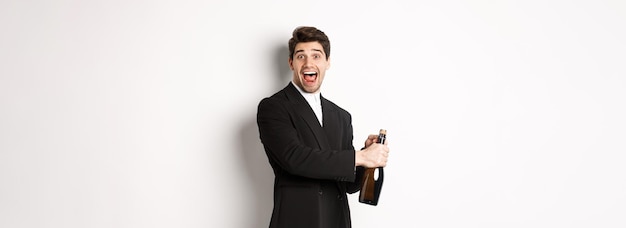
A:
(372, 138)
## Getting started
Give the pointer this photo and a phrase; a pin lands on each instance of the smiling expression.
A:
(309, 65)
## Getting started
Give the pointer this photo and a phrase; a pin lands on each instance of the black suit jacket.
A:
(313, 165)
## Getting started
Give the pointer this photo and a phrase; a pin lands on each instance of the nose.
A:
(306, 62)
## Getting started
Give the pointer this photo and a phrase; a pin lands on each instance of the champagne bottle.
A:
(370, 191)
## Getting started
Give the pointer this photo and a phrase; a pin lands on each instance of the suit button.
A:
(321, 193)
(339, 197)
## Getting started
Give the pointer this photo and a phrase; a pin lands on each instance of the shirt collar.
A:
(305, 94)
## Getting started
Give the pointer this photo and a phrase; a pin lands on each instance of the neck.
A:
(302, 90)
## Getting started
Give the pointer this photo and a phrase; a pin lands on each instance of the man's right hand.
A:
(373, 156)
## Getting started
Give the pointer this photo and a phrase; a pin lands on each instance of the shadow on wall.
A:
(255, 161)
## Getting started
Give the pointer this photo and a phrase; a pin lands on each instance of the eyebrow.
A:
(301, 50)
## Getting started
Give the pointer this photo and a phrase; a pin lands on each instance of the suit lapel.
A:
(302, 107)
(331, 123)
(333, 132)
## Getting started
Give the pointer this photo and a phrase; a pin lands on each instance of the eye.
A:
(316, 56)
(300, 56)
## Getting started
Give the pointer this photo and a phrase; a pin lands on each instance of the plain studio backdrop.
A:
(141, 113)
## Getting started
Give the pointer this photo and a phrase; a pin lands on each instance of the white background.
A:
(142, 113)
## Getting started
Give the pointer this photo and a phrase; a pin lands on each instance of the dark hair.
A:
(308, 34)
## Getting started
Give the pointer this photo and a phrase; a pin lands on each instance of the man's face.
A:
(309, 64)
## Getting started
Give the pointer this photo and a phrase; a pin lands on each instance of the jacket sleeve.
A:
(355, 186)
(279, 132)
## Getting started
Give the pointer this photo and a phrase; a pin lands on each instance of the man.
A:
(308, 141)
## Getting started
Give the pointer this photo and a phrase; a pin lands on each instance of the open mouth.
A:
(310, 76)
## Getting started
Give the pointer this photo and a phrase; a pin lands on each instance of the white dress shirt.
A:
(314, 101)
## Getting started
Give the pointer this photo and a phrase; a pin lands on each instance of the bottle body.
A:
(372, 183)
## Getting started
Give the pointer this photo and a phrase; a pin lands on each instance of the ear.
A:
(291, 63)
(328, 65)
